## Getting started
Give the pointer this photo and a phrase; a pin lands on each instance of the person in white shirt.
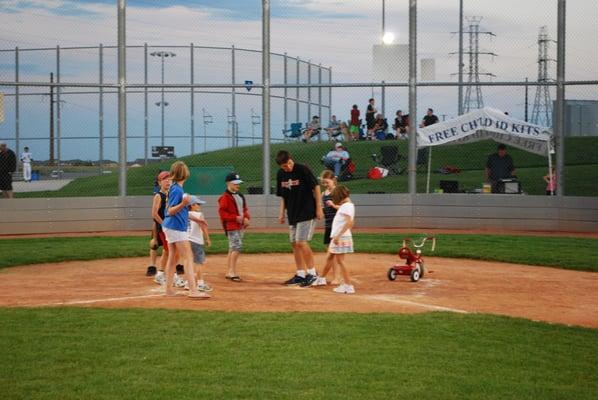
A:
(342, 239)
(26, 158)
(335, 159)
(199, 238)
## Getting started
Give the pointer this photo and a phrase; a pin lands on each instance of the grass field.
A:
(581, 170)
(76, 353)
(561, 252)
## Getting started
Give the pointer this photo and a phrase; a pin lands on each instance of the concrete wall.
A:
(448, 211)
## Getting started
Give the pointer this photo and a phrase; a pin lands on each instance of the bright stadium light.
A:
(388, 38)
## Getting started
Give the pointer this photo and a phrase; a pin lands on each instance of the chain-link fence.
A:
(200, 98)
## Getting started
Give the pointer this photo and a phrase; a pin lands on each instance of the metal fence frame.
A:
(122, 86)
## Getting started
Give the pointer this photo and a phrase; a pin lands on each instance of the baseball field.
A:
(496, 316)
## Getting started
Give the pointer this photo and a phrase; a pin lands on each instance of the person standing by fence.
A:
(8, 165)
(26, 158)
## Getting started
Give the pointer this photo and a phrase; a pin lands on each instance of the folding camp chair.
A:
(422, 158)
(389, 158)
(295, 133)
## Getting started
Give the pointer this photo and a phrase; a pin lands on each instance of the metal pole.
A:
(122, 100)
(320, 99)
(383, 101)
(526, 100)
(17, 106)
(297, 92)
(309, 91)
(192, 102)
(330, 93)
(286, 93)
(205, 131)
(234, 140)
(58, 89)
(460, 88)
(162, 102)
(383, 17)
(101, 110)
(51, 118)
(145, 111)
(559, 132)
(412, 97)
(266, 95)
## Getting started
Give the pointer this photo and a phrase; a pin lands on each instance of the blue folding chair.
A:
(294, 133)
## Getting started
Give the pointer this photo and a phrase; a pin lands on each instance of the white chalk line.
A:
(416, 304)
(109, 299)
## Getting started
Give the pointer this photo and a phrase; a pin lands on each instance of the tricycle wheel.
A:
(392, 274)
(416, 274)
(422, 269)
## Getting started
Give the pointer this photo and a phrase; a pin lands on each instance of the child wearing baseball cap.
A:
(234, 216)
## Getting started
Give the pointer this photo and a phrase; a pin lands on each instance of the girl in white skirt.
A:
(342, 240)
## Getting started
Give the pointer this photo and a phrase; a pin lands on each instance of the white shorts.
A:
(173, 236)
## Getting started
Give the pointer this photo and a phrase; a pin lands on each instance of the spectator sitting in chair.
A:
(380, 128)
(429, 119)
(334, 128)
(313, 128)
(499, 166)
(401, 125)
(335, 159)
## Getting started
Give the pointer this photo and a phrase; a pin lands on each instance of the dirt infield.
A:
(537, 293)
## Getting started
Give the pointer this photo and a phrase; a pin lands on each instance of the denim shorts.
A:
(235, 240)
(303, 231)
(199, 253)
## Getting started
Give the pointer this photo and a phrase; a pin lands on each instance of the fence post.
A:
(192, 101)
(559, 133)
(122, 100)
(17, 107)
(101, 109)
(266, 95)
(412, 183)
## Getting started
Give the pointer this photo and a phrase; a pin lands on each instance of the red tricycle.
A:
(414, 263)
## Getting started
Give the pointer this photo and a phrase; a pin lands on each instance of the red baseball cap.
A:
(163, 175)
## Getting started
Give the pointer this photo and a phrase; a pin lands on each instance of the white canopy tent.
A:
(487, 123)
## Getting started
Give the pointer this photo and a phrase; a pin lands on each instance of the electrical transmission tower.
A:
(542, 110)
(473, 93)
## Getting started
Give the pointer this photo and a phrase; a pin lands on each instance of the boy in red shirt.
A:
(234, 216)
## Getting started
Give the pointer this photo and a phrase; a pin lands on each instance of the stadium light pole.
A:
(163, 55)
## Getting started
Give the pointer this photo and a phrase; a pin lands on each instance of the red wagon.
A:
(414, 262)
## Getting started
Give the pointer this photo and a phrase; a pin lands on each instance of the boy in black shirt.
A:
(300, 197)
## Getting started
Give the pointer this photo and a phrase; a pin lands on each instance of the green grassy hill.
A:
(581, 172)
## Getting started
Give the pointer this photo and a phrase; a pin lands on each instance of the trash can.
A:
(35, 175)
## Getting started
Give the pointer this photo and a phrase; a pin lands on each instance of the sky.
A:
(336, 33)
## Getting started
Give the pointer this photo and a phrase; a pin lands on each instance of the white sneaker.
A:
(348, 289)
(320, 281)
(204, 288)
(179, 281)
(160, 278)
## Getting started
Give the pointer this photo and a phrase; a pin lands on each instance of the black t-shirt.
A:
(430, 120)
(370, 114)
(296, 189)
(8, 162)
(500, 167)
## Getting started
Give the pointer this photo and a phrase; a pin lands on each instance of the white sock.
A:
(312, 271)
(200, 282)
(301, 273)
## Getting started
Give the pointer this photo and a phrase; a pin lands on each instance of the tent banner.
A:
(486, 123)
(533, 146)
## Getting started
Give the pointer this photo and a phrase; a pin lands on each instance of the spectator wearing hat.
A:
(335, 159)
(234, 216)
(8, 165)
(313, 129)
